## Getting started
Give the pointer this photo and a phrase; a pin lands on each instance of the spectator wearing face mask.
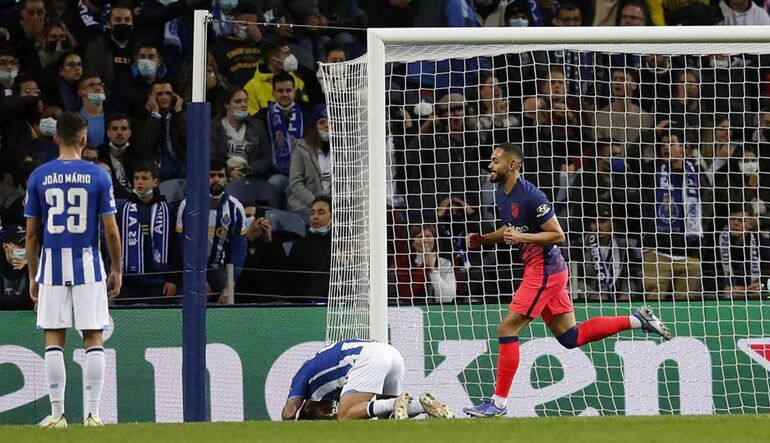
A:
(53, 42)
(283, 119)
(111, 55)
(311, 255)
(276, 59)
(9, 69)
(236, 134)
(148, 68)
(44, 148)
(118, 153)
(13, 267)
(147, 235)
(310, 175)
(238, 54)
(91, 90)
(518, 15)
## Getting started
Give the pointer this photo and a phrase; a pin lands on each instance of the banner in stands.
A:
(717, 363)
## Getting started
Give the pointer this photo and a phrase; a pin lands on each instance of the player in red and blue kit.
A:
(530, 223)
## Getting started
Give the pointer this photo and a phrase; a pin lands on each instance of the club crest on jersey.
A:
(542, 209)
(515, 210)
(226, 220)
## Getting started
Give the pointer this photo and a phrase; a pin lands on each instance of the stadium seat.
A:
(173, 189)
(287, 226)
(253, 192)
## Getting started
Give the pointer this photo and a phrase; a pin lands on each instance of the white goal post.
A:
(454, 336)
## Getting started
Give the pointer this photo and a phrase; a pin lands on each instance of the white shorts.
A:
(379, 369)
(56, 304)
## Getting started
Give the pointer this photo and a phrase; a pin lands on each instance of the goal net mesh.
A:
(655, 159)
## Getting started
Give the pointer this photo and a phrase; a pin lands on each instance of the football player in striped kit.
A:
(365, 376)
(68, 199)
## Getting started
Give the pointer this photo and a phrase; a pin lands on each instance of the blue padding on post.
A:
(195, 244)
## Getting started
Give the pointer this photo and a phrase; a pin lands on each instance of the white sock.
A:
(635, 322)
(500, 402)
(379, 408)
(93, 379)
(414, 408)
(56, 378)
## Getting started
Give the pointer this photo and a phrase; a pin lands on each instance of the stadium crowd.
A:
(656, 164)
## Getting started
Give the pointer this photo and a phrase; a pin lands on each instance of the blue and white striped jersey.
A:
(69, 197)
(322, 377)
(226, 222)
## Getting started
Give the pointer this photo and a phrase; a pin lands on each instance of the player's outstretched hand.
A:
(474, 240)
(114, 282)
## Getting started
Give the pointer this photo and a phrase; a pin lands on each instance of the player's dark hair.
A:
(70, 126)
(512, 149)
(283, 77)
(217, 164)
(323, 198)
(147, 166)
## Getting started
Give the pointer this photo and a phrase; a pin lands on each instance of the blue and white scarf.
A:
(284, 135)
(678, 206)
(728, 263)
(133, 240)
(607, 262)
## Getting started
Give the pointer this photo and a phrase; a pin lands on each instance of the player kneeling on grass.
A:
(365, 377)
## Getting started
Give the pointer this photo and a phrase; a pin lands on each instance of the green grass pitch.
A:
(668, 429)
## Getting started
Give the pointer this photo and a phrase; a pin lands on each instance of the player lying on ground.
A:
(366, 378)
(530, 224)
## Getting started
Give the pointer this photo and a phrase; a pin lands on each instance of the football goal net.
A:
(652, 145)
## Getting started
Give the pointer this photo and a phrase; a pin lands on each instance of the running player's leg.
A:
(91, 317)
(560, 317)
(507, 364)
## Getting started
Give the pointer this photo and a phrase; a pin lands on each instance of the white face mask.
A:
(48, 126)
(749, 167)
(8, 76)
(324, 136)
(423, 109)
(19, 254)
(250, 220)
(518, 23)
(721, 63)
(97, 98)
(322, 230)
(144, 194)
(285, 108)
(290, 63)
